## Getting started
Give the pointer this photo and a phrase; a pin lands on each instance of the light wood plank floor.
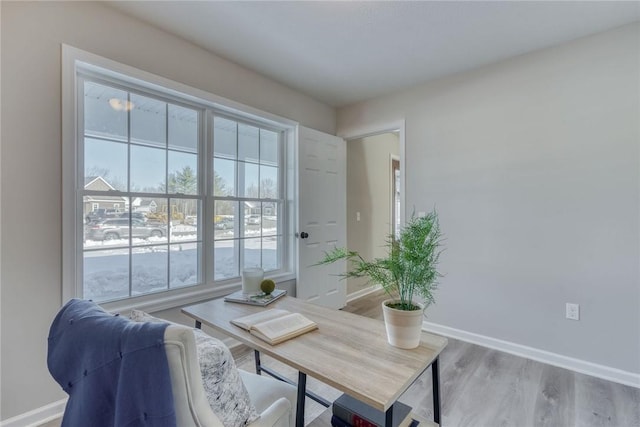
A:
(481, 387)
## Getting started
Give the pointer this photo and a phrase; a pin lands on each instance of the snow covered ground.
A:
(157, 265)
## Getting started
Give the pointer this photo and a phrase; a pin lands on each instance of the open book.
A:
(275, 326)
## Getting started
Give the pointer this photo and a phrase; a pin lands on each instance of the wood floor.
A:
(481, 387)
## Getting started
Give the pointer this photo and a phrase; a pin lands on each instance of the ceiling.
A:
(344, 52)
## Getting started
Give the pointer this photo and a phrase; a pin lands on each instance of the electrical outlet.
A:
(573, 311)
(421, 214)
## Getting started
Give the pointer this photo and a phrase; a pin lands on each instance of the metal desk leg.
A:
(198, 324)
(258, 366)
(388, 417)
(435, 376)
(302, 385)
(324, 402)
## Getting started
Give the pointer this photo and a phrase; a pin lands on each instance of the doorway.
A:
(396, 199)
(373, 197)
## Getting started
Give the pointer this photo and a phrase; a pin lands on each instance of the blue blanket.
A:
(114, 370)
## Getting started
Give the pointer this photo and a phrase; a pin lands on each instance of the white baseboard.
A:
(362, 292)
(37, 416)
(577, 365)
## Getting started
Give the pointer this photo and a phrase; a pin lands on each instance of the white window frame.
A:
(72, 60)
(282, 180)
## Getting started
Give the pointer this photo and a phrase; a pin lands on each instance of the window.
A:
(140, 150)
(172, 193)
(247, 197)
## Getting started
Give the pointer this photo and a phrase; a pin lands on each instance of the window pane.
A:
(106, 275)
(162, 210)
(226, 259)
(183, 265)
(183, 128)
(225, 136)
(268, 147)
(248, 143)
(148, 169)
(146, 209)
(184, 222)
(224, 221)
(183, 172)
(248, 179)
(270, 255)
(224, 177)
(98, 209)
(194, 220)
(149, 269)
(268, 182)
(148, 121)
(105, 111)
(145, 232)
(252, 253)
(105, 165)
(269, 219)
(252, 219)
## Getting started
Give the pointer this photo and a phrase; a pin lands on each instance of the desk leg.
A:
(324, 402)
(198, 324)
(258, 366)
(435, 375)
(302, 386)
(388, 417)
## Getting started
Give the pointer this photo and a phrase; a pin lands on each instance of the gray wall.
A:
(31, 34)
(533, 166)
(369, 192)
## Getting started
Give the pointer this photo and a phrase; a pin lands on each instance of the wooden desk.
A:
(347, 351)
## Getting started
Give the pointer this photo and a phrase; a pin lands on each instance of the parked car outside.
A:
(118, 228)
(102, 213)
(252, 219)
(224, 223)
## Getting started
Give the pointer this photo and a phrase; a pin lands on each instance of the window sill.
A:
(182, 297)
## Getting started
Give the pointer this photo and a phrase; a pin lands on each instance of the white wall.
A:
(533, 166)
(31, 34)
(369, 192)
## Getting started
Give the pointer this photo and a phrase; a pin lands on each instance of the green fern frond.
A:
(410, 267)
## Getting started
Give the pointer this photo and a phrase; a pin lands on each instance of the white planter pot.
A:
(404, 328)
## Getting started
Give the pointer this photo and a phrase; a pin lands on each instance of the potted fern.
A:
(408, 271)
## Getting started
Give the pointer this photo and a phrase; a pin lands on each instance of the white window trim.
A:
(71, 211)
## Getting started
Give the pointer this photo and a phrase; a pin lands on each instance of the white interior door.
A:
(322, 203)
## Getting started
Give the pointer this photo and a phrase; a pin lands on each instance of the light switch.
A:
(357, 216)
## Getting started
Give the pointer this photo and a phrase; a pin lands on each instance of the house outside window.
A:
(202, 190)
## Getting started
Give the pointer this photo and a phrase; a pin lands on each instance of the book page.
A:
(246, 322)
(283, 328)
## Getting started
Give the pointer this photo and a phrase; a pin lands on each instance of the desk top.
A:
(348, 352)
